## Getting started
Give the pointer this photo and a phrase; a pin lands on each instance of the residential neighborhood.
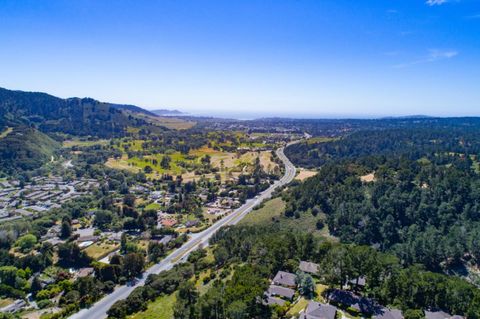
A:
(30, 199)
(285, 291)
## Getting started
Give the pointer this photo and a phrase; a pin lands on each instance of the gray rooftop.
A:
(274, 290)
(439, 315)
(283, 278)
(84, 232)
(386, 313)
(316, 310)
(274, 301)
(309, 267)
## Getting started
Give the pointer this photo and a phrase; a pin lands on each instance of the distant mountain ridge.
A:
(132, 108)
(408, 117)
(165, 112)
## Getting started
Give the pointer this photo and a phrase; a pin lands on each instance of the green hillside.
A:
(25, 148)
(71, 116)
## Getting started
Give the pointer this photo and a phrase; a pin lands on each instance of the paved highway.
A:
(100, 308)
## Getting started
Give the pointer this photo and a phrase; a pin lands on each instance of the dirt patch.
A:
(304, 174)
(368, 178)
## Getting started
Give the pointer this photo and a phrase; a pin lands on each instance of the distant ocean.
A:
(241, 115)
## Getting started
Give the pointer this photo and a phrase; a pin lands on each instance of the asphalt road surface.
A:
(100, 308)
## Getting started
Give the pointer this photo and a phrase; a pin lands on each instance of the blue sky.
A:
(304, 57)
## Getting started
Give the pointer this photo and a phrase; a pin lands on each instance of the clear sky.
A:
(326, 57)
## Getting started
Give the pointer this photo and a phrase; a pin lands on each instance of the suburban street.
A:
(100, 308)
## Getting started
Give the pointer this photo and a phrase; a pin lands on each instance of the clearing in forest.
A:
(303, 174)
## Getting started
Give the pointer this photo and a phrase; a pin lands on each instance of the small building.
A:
(168, 222)
(350, 299)
(440, 315)
(359, 282)
(84, 272)
(166, 239)
(192, 223)
(84, 232)
(280, 291)
(285, 279)
(317, 310)
(270, 301)
(309, 267)
(386, 313)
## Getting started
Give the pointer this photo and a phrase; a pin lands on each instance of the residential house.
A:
(285, 279)
(316, 310)
(168, 222)
(280, 291)
(440, 315)
(386, 313)
(84, 232)
(270, 301)
(352, 300)
(309, 267)
(84, 272)
(192, 223)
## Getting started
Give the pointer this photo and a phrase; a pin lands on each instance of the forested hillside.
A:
(71, 116)
(245, 257)
(25, 148)
(392, 138)
(414, 192)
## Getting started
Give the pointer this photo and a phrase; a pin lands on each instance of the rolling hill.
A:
(75, 116)
(25, 148)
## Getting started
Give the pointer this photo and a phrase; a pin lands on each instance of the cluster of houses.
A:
(283, 289)
(19, 200)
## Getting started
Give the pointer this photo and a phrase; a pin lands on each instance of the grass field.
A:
(83, 143)
(5, 302)
(174, 123)
(273, 212)
(319, 290)
(264, 215)
(153, 206)
(136, 164)
(300, 305)
(229, 164)
(303, 174)
(6, 132)
(161, 308)
(100, 250)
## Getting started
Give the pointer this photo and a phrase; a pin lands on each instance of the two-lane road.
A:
(100, 308)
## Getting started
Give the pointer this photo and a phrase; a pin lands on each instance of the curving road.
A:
(100, 308)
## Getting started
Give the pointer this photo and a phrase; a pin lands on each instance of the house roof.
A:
(309, 267)
(275, 290)
(316, 310)
(360, 281)
(440, 315)
(84, 272)
(84, 232)
(168, 222)
(285, 279)
(87, 238)
(386, 313)
(274, 301)
(350, 299)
